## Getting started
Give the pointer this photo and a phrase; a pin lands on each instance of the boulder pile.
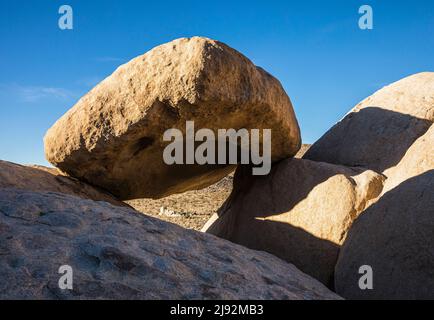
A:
(361, 196)
(109, 148)
(301, 212)
(114, 136)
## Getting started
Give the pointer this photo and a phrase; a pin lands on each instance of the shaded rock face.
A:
(114, 136)
(378, 131)
(395, 237)
(418, 159)
(301, 212)
(117, 253)
(39, 178)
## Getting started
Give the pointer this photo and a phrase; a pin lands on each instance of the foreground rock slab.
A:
(301, 212)
(395, 238)
(39, 178)
(118, 253)
(378, 131)
(113, 137)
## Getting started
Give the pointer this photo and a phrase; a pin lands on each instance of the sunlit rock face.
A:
(113, 137)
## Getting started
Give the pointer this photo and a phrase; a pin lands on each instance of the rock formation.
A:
(361, 196)
(39, 178)
(301, 212)
(304, 209)
(378, 131)
(115, 132)
(395, 238)
(418, 159)
(118, 253)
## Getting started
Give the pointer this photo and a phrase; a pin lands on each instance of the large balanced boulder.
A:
(118, 253)
(39, 178)
(378, 131)
(113, 136)
(394, 237)
(300, 212)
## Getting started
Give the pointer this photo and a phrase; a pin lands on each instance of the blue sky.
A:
(315, 48)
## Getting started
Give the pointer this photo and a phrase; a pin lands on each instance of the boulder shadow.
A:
(373, 138)
(395, 238)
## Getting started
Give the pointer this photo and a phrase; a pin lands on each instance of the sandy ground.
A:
(191, 209)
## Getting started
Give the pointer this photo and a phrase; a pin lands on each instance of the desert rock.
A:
(118, 253)
(301, 212)
(395, 238)
(418, 159)
(113, 137)
(378, 131)
(40, 178)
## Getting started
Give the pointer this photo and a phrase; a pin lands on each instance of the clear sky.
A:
(315, 48)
